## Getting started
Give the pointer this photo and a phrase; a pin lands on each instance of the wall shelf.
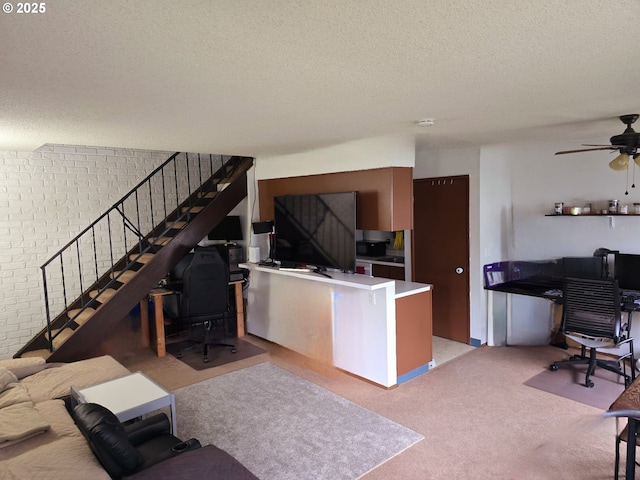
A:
(595, 215)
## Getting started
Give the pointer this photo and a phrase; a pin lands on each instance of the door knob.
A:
(459, 270)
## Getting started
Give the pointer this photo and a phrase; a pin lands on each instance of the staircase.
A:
(102, 274)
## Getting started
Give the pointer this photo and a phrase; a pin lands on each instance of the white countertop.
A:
(378, 261)
(402, 288)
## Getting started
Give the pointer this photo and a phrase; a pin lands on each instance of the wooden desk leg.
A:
(161, 346)
(144, 320)
(239, 310)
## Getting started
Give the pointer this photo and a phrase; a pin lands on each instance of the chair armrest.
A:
(148, 428)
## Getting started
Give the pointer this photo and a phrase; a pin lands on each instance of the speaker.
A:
(235, 255)
(254, 254)
(263, 227)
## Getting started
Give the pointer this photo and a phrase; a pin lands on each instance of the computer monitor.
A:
(229, 229)
(582, 267)
(627, 271)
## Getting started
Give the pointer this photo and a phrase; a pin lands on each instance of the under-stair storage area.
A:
(102, 274)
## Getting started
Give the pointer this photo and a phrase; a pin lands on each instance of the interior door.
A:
(441, 251)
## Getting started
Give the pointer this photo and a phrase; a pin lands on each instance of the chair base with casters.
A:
(618, 365)
(205, 344)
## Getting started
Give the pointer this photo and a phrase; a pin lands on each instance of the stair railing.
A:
(82, 263)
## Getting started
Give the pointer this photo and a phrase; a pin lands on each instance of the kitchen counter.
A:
(375, 328)
(391, 260)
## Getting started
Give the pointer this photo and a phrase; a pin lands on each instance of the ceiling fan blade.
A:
(610, 147)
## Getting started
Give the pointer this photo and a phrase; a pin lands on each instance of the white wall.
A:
(48, 197)
(379, 152)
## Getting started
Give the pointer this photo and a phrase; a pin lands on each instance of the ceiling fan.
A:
(627, 143)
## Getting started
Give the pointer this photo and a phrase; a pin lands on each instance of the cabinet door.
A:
(387, 271)
(414, 339)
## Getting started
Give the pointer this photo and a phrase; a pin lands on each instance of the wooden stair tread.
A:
(125, 277)
(194, 209)
(207, 195)
(160, 240)
(61, 337)
(42, 353)
(104, 296)
(177, 225)
(81, 319)
(144, 258)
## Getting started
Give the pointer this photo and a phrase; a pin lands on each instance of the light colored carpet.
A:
(282, 427)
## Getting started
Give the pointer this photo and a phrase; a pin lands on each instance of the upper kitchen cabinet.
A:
(384, 200)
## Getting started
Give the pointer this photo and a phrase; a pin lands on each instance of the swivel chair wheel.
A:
(553, 367)
(233, 350)
(588, 384)
(206, 360)
(178, 355)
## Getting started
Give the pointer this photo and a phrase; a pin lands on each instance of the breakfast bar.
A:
(374, 328)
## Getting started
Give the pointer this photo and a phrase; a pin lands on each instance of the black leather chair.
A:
(204, 297)
(124, 450)
(593, 318)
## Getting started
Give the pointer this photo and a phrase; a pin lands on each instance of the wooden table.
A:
(155, 337)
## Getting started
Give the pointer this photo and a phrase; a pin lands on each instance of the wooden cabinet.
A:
(387, 271)
(414, 347)
(384, 200)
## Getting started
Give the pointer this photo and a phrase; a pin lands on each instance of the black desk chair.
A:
(204, 296)
(592, 317)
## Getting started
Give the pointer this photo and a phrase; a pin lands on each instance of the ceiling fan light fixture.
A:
(620, 163)
(636, 158)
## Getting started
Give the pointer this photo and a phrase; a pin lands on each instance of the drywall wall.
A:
(392, 151)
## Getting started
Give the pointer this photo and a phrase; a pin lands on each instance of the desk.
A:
(156, 337)
(549, 288)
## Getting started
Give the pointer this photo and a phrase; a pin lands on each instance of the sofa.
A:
(39, 439)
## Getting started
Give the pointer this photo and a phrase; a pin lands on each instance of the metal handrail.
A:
(101, 246)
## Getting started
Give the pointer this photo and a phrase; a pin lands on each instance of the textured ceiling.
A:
(266, 77)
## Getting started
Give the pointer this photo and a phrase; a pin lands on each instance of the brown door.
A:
(440, 248)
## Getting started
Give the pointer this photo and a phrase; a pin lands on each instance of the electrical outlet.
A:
(372, 298)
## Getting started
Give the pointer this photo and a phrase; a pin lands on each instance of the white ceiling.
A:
(263, 77)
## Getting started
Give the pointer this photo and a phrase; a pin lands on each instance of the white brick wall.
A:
(47, 197)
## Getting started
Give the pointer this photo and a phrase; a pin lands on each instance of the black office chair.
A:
(204, 296)
(592, 317)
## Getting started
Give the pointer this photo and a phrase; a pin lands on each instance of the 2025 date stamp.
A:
(25, 8)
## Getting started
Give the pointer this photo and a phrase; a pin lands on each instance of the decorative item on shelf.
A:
(636, 208)
(586, 210)
(624, 209)
(557, 209)
(576, 210)
(613, 206)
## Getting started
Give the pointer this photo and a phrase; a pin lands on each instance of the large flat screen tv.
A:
(316, 229)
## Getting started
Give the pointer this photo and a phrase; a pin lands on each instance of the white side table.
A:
(129, 397)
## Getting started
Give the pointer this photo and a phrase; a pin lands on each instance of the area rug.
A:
(217, 355)
(568, 382)
(282, 427)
